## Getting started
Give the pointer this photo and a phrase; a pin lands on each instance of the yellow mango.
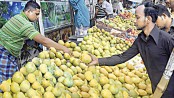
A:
(93, 83)
(112, 76)
(84, 88)
(103, 71)
(85, 94)
(88, 75)
(142, 92)
(108, 69)
(106, 93)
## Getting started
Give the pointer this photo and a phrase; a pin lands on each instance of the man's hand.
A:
(94, 60)
(66, 50)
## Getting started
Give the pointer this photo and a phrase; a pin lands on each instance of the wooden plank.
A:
(41, 24)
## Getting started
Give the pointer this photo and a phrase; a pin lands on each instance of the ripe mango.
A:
(75, 95)
(104, 80)
(142, 92)
(85, 58)
(25, 86)
(106, 93)
(52, 49)
(78, 82)
(57, 92)
(102, 70)
(7, 95)
(112, 76)
(113, 89)
(49, 95)
(88, 75)
(85, 94)
(128, 80)
(93, 83)
(84, 88)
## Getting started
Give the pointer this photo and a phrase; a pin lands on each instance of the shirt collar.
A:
(154, 34)
(24, 15)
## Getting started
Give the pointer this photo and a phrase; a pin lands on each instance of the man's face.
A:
(172, 5)
(168, 3)
(161, 22)
(100, 1)
(33, 15)
(140, 18)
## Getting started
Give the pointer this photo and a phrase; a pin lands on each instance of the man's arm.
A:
(117, 59)
(96, 11)
(104, 9)
(50, 43)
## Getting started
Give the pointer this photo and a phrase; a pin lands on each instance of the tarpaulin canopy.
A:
(138, 1)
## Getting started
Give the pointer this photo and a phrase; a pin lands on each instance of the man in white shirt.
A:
(108, 8)
(120, 4)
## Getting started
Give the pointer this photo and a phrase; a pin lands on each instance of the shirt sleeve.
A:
(29, 31)
(104, 4)
(74, 4)
(170, 45)
(121, 6)
(117, 59)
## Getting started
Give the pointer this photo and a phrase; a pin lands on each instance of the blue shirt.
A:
(81, 16)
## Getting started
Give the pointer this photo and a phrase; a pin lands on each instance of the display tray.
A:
(75, 37)
(57, 28)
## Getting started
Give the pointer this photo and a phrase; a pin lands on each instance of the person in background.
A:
(164, 21)
(108, 8)
(99, 10)
(154, 46)
(13, 34)
(170, 4)
(81, 17)
(120, 4)
(148, 4)
(115, 6)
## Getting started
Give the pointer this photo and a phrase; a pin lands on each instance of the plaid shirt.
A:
(8, 64)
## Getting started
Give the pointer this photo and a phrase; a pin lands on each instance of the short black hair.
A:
(31, 5)
(148, 4)
(161, 9)
(150, 11)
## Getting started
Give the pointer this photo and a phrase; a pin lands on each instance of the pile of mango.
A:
(55, 74)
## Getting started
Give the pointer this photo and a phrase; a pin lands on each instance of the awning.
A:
(138, 1)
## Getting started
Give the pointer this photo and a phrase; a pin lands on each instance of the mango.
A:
(142, 92)
(106, 93)
(88, 75)
(85, 58)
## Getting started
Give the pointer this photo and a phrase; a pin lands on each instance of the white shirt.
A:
(121, 6)
(108, 7)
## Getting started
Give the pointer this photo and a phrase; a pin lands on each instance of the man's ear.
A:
(149, 19)
(27, 11)
(164, 16)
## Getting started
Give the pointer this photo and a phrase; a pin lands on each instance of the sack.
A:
(30, 50)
